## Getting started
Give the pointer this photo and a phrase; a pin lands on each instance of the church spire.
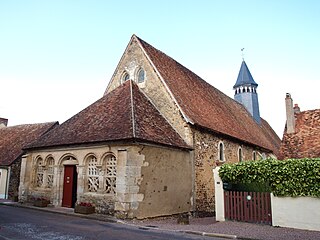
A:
(246, 92)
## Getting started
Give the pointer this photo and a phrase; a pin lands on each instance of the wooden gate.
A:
(252, 207)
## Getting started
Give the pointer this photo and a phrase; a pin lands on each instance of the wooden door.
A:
(69, 186)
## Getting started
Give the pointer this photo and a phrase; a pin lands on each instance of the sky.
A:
(57, 57)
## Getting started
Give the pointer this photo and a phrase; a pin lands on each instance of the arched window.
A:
(141, 76)
(125, 77)
(254, 155)
(110, 175)
(240, 154)
(50, 173)
(221, 152)
(39, 174)
(93, 174)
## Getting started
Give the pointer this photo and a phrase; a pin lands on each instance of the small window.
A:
(125, 77)
(240, 154)
(221, 152)
(141, 76)
(254, 155)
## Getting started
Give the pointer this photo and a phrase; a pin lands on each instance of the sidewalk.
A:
(200, 226)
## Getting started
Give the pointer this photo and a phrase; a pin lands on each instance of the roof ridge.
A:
(132, 110)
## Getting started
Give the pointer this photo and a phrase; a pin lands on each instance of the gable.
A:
(134, 59)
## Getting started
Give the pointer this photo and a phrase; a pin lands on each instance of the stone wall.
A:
(13, 190)
(206, 159)
(166, 182)
(150, 181)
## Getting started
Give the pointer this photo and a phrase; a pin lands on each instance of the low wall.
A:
(298, 212)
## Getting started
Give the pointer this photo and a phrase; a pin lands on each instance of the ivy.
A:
(292, 177)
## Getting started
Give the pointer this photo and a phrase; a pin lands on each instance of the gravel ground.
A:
(240, 229)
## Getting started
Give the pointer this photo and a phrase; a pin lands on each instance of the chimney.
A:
(290, 114)
(3, 122)
(296, 108)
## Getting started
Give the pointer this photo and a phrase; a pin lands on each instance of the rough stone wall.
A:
(166, 182)
(134, 59)
(13, 190)
(206, 159)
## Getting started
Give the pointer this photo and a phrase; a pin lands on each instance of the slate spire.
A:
(246, 92)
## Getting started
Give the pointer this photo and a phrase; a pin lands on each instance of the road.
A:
(22, 223)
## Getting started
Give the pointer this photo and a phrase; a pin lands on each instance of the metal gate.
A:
(252, 207)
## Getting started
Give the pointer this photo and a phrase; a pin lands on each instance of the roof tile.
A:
(208, 107)
(123, 114)
(13, 139)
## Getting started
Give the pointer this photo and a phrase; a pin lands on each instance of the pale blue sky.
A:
(57, 57)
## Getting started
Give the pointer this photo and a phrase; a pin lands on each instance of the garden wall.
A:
(297, 212)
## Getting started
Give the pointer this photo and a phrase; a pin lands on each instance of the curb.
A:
(220, 235)
(111, 220)
(104, 219)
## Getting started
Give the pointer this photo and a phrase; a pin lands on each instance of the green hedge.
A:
(292, 177)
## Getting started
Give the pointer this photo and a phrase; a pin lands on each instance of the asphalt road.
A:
(21, 223)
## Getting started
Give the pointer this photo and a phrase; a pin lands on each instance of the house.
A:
(301, 137)
(12, 140)
(147, 148)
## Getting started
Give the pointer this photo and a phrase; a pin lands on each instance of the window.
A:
(50, 173)
(141, 76)
(125, 77)
(254, 155)
(39, 175)
(240, 154)
(110, 174)
(93, 175)
(221, 152)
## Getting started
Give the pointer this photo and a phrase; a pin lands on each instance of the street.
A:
(21, 223)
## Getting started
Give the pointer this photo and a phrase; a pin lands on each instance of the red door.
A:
(69, 186)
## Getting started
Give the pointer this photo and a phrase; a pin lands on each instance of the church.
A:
(147, 148)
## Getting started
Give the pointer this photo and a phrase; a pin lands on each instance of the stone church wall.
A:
(166, 182)
(206, 159)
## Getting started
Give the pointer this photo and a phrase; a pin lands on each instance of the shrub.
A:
(292, 177)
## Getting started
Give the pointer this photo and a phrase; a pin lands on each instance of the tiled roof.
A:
(125, 114)
(206, 106)
(13, 139)
(305, 142)
(244, 76)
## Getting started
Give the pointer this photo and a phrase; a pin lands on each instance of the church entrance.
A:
(69, 186)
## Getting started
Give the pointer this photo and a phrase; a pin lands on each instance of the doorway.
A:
(69, 197)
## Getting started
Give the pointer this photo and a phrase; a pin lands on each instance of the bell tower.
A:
(246, 92)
